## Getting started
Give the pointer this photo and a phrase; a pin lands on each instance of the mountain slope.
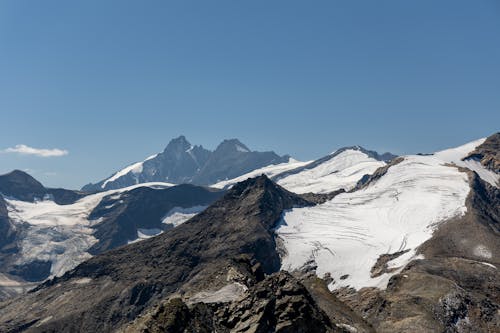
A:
(110, 289)
(411, 246)
(182, 162)
(42, 238)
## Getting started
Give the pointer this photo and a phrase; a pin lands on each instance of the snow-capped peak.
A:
(135, 168)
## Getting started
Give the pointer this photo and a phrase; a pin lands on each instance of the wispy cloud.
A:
(27, 150)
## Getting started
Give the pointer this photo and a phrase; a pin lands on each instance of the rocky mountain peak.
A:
(179, 144)
(232, 145)
(21, 185)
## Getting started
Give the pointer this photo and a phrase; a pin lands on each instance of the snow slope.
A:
(270, 171)
(135, 168)
(346, 236)
(59, 233)
(343, 170)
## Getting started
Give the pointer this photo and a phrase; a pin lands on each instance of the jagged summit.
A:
(179, 143)
(232, 145)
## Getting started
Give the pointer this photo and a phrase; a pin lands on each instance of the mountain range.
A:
(239, 241)
(180, 162)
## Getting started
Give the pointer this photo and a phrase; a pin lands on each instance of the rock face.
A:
(279, 303)
(182, 162)
(488, 153)
(7, 231)
(143, 208)
(113, 288)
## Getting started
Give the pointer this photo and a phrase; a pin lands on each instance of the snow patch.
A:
(178, 215)
(489, 265)
(482, 251)
(242, 149)
(143, 233)
(228, 293)
(82, 281)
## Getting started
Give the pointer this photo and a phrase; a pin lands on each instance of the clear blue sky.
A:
(112, 82)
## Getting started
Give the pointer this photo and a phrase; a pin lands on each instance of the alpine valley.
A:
(235, 240)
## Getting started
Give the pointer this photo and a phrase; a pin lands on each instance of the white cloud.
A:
(27, 150)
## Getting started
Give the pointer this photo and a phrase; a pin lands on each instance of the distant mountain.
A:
(22, 186)
(182, 162)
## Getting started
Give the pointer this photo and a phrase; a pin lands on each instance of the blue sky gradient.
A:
(113, 81)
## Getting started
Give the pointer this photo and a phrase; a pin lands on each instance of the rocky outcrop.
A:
(488, 153)
(279, 303)
(319, 198)
(366, 180)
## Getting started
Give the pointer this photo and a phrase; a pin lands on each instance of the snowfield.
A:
(346, 235)
(342, 171)
(61, 234)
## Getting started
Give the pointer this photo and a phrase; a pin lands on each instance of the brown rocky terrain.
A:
(488, 153)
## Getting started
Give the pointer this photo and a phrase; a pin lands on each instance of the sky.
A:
(97, 85)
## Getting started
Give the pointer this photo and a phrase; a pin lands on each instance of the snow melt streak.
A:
(347, 234)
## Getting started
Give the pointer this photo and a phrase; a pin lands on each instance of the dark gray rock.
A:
(144, 208)
(20, 185)
(279, 303)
